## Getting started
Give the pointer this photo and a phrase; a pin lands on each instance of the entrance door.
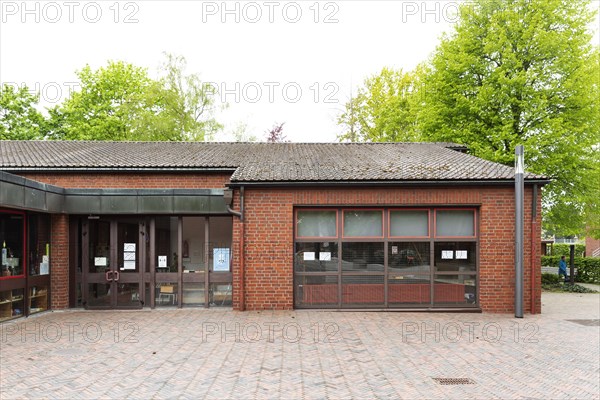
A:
(113, 262)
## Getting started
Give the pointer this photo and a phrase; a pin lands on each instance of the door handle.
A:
(118, 276)
(107, 276)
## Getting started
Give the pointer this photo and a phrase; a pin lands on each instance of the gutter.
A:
(502, 182)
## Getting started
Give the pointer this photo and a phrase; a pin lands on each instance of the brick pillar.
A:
(59, 261)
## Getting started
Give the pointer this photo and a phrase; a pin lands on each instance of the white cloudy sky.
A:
(275, 61)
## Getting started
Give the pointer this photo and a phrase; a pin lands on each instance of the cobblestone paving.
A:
(219, 354)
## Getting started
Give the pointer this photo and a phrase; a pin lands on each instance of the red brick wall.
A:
(132, 180)
(59, 261)
(269, 239)
(591, 245)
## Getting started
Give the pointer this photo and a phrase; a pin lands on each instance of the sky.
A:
(292, 62)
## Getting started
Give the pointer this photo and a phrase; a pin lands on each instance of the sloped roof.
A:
(262, 162)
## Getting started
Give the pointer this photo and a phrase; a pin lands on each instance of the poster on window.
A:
(447, 254)
(461, 254)
(221, 260)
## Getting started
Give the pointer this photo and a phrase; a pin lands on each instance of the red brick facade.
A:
(269, 233)
(591, 245)
(269, 239)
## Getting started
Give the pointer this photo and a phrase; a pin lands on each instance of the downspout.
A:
(533, 244)
(240, 215)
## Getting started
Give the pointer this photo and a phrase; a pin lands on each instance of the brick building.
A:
(421, 226)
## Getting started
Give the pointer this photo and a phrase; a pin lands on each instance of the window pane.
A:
(11, 244)
(166, 244)
(365, 257)
(316, 257)
(220, 235)
(407, 290)
(166, 294)
(193, 294)
(406, 257)
(316, 223)
(363, 290)
(220, 295)
(11, 304)
(455, 256)
(317, 291)
(38, 299)
(363, 223)
(455, 223)
(409, 223)
(39, 244)
(454, 290)
(193, 245)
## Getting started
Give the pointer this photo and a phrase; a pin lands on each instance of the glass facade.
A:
(24, 263)
(388, 257)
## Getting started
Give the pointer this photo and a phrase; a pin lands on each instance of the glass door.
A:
(112, 263)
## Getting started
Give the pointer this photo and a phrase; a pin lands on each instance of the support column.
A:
(59, 261)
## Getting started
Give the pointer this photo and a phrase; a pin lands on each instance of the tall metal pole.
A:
(519, 187)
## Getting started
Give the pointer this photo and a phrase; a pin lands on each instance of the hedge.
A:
(561, 249)
(588, 268)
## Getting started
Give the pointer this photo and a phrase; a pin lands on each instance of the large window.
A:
(389, 257)
(12, 230)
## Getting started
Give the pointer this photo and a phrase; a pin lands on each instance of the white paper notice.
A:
(394, 249)
(162, 261)
(325, 256)
(447, 254)
(129, 247)
(100, 261)
(461, 254)
(129, 256)
(129, 264)
(309, 256)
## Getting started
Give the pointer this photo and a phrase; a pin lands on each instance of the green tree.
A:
(121, 102)
(523, 72)
(114, 103)
(384, 109)
(189, 103)
(19, 119)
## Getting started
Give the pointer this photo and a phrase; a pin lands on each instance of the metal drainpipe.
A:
(519, 231)
(240, 215)
(533, 244)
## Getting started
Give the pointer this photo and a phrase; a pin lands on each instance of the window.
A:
(359, 223)
(12, 244)
(409, 223)
(386, 258)
(455, 223)
(312, 223)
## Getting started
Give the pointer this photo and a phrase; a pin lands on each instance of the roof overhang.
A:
(498, 182)
(25, 194)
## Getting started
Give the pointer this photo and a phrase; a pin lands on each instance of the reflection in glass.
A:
(362, 257)
(407, 257)
(407, 290)
(455, 256)
(220, 295)
(455, 290)
(99, 245)
(316, 257)
(98, 295)
(317, 291)
(362, 290)
(194, 243)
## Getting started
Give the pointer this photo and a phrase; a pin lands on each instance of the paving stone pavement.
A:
(221, 354)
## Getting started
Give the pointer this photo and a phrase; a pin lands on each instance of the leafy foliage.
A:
(121, 102)
(519, 72)
(19, 119)
(275, 134)
(588, 268)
